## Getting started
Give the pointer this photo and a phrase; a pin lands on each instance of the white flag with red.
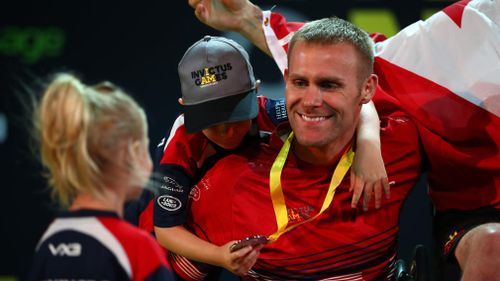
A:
(445, 73)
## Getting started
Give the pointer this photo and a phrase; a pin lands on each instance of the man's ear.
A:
(285, 74)
(368, 88)
(181, 101)
(257, 86)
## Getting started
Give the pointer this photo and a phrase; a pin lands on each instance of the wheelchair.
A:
(418, 268)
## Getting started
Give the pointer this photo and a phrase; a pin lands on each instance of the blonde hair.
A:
(332, 31)
(82, 130)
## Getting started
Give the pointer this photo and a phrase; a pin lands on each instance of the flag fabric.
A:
(445, 74)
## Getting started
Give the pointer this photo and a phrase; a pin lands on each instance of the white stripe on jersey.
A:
(357, 276)
(188, 268)
(93, 228)
(465, 59)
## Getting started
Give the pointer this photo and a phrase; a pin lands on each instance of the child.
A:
(94, 144)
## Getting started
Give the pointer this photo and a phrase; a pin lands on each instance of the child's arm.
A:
(368, 173)
(180, 241)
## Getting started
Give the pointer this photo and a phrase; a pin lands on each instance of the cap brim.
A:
(225, 110)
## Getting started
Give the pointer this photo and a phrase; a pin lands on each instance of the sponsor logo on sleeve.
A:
(169, 203)
(170, 184)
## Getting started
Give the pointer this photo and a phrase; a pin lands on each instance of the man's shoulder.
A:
(400, 145)
(272, 112)
(398, 126)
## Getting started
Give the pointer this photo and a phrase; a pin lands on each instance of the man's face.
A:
(228, 135)
(323, 93)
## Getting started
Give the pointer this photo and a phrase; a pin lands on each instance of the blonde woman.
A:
(93, 143)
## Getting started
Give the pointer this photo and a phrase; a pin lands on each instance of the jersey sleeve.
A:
(272, 112)
(170, 203)
(146, 257)
(178, 161)
(151, 263)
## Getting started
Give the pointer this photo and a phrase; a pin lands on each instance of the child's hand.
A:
(368, 176)
(240, 261)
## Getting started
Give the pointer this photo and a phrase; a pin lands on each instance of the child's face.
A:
(142, 167)
(228, 135)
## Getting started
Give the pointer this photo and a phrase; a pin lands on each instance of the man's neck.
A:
(324, 155)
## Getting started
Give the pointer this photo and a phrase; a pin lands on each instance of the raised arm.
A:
(233, 15)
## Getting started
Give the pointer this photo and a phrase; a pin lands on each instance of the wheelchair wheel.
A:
(401, 271)
(419, 266)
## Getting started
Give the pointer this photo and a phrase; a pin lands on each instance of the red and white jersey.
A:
(97, 245)
(445, 73)
(233, 202)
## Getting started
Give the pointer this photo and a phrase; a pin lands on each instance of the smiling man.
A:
(431, 69)
(324, 130)
(295, 190)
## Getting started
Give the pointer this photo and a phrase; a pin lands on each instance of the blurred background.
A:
(137, 46)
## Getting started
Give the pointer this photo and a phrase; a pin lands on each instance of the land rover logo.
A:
(169, 203)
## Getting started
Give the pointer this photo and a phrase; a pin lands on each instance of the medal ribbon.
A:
(278, 198)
